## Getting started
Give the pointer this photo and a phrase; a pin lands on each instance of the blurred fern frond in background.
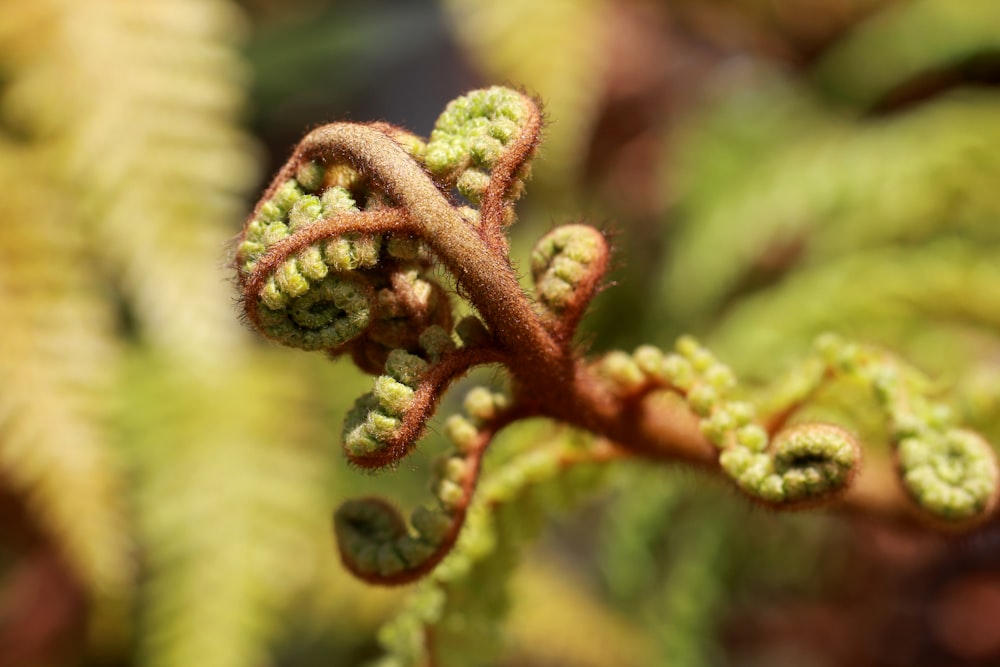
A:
(772, 169)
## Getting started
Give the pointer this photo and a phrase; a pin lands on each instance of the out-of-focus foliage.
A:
(773, 170)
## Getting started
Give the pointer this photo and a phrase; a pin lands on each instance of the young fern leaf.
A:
(567, 265)
(796, 467)
(368, 206)
(374, 541)
(950, 473)
(454, 618)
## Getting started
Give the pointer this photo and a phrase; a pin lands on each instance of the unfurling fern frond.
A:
(454, 617)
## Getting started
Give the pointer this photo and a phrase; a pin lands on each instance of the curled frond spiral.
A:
(802, 465)
(567, 265)
(374, 540)
(950, 473)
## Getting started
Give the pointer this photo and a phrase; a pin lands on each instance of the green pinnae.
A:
(622, 370)
(414, 551)
(337, 199)
(472, 184)
(650, 361)
(436, 341)
(358, 440)
(311, 264)
(405, 247)
(431, 525)
(286, 195)
(326, 315)
(393, 396)
(352, 251)
(274, 232)
(290, 278)
(271, 295)
(482, 404)
(679, 372)
(953, 475)
(473, 129)
(305, 211)
(310, 175)
(752, 437)
(563, 260)
(405, 367)
(462, 433)
(703, 398)
(382, 426)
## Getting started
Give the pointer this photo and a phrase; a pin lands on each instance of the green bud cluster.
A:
(566, 264)
(471, 136)
(376, 417)
(950, 472)
(304, 302)
(801, 464)
(374, 541)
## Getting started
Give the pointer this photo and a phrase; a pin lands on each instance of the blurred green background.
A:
(769, 170)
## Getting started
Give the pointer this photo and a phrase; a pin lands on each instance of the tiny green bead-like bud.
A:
(753, 437)
(436, 341)
(382, 426)
(286, 195)
(413, 551)
(311, 264)
(359, 442)
(270, 213)
(735, 461)
(393, 396)
(622, 370)
(678, 371)
(720, 377)
(688, 346)
(702, 398)
(388, 561)
(717, 427)
(310, 175)
(455, 469)
(771, 489)
(352, 251)
(742, 412)
(337, 200)
(272, 296)
(431, 525)
(650, 360)
(483, 405)
(274, 232)
(472, 184)
(405, 367)
(461, 432)
(305, 211)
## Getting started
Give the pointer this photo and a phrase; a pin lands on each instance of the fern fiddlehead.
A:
(340, 256)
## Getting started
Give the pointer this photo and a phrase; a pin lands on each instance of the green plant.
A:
(354, 250)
